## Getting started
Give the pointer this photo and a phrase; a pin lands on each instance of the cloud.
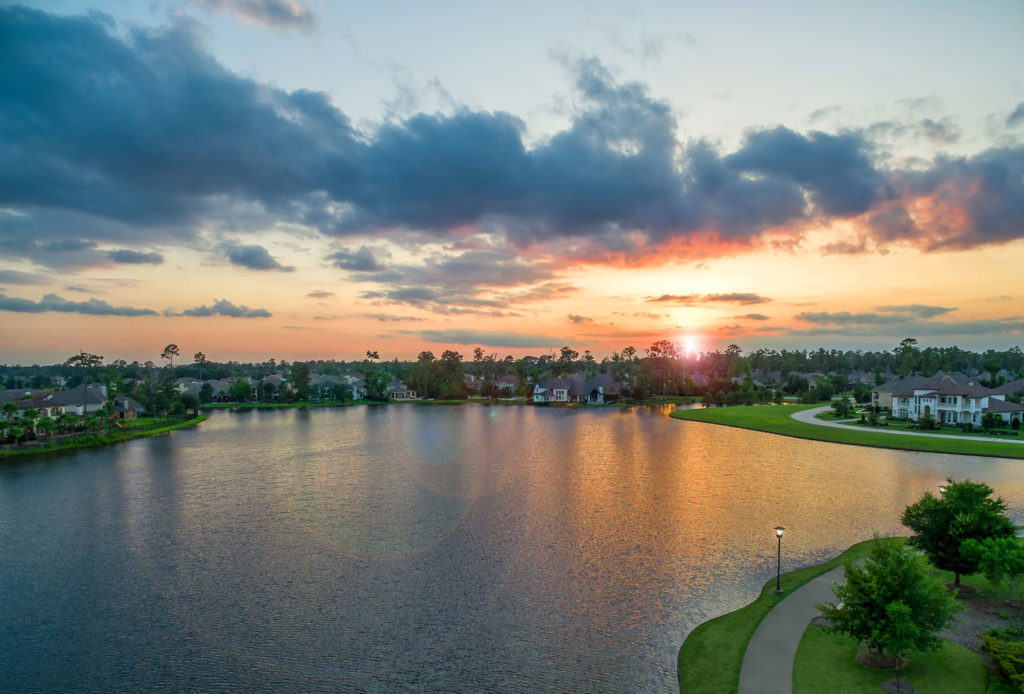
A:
(489, 338)
(130, 257)
(53, 302)
(753, 316)
(362, 260)
(223, 307)
(579, 320)
(919, 310)
(693, 299)
(148, 138)
(255, 257)
(18, 277)
(1016, 117)
(900, 321)
(272, 13)
(320, 295)
(389, 318)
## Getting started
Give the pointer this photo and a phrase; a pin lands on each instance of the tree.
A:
(205, 392)
(169, 353)
(892, 604)
(941, 525)
(1001, 559)
(240, 391)
(300, 379)
(199, 358)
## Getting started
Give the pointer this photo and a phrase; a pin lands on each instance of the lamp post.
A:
(778, 566)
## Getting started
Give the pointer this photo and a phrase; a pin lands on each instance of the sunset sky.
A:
(273, 178)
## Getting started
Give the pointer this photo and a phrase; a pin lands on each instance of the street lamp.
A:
(778, 566)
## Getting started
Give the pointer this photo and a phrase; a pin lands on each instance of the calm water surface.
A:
(467, 548)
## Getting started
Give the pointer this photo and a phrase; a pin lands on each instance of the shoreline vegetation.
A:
(712, 654)
(97, 440)
(649, 402)
(777, 419)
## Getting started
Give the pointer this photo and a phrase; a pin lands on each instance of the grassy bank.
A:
(826, 664)
(711, 656)
(95, 440)
(776, 419)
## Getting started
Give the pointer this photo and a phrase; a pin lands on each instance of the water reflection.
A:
(457, 548)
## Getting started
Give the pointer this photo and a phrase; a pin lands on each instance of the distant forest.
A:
(728, 375)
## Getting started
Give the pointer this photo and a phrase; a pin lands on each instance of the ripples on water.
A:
(464, 548)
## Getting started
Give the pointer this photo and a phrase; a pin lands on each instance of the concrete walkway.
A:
(768, 663)
(810, 417)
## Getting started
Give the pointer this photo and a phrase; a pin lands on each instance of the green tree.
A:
(377, 386)
(205, 392)
(300, 380)
(240, 391)
(1001, 559)
(892, 603)
(941, 525)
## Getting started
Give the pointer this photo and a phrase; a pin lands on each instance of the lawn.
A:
(826, 664)
(776, 419)
(711, 656)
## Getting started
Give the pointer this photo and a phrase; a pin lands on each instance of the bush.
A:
(1015, 424)
(1006, 646)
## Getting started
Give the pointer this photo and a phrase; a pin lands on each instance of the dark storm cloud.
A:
(693, 299)
(53, 302)
(273, 13)
(142, 136)
(130, 257)
(222, 307)
(255, 257)
(835, 169)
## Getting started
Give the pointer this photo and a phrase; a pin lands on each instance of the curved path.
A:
(768, 662)
(810, 417)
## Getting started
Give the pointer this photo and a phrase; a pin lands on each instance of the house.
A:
(603, 388)
(571, 389)
(1011, 388)
(952, 403)
(399, 391)
(81, 400)
(507, 384)
(356, 385)
(126, 407)
(881, 396)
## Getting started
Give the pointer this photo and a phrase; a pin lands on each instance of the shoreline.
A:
(711, 655)
(777, 419)
(97, 441)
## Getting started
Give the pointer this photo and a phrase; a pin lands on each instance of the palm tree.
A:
(46, 426)
(17, 433)
(28, 417)
(10, 409)
(66, 421)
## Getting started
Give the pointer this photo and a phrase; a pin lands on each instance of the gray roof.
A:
(90, 395)
(1010, 388)
(995, 405)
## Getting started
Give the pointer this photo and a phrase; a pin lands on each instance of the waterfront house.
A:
(603, 388)
(562, 389)
(399, 391)
(952, 403)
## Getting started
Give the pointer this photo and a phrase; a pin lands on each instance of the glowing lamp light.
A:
(778, 566)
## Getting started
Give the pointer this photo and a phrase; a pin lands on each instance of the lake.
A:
(409, 548)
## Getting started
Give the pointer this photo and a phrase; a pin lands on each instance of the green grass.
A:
(776, 419)
(135, 430)
(711, 656)
(825, 664)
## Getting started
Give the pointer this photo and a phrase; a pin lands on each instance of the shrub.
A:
(1006, 646)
